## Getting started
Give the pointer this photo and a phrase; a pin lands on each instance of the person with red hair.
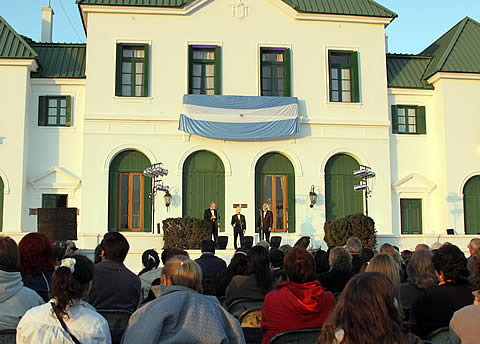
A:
(37, 263)
(299, 303)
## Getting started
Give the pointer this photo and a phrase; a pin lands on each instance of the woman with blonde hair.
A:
(384, 263)
(180, 314)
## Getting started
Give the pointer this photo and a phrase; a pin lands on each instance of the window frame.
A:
(353, 66)
(130, 202)
(273, 203)
(404, 223)
(43, 106)
(217, 67)
(119, 62)
(57, 198)
(287, 87)
(420, 119)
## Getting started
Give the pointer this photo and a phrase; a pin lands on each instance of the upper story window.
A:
(275, 72)
(408, 119)
(55, 111)
(132, 70)
(411, 215)
(204, 76)
(343, 70)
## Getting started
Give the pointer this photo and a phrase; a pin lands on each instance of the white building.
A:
(80, 122)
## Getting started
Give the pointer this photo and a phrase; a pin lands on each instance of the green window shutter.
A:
(355, 78)
(190, 68)
(68, 121)
(420, 119)
(218, 70)
(1, 204)
(118, 74)
(411, 216)
(146, 69)
(394, 119)
(42, 110)
(471, 205)
(287, 71)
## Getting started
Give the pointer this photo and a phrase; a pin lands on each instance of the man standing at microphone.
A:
(212, 217)
(265, 222)
(239, 226)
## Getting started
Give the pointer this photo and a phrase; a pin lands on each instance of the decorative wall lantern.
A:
(313, 196)
(167, 198)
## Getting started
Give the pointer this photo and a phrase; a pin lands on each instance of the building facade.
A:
(80, 122)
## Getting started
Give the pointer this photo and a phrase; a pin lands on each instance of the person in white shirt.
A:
(239, 227)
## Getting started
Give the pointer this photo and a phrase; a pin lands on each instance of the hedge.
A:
(338, 231)
(184, 232)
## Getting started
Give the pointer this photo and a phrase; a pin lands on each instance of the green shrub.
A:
(184, 232)
(338, 231)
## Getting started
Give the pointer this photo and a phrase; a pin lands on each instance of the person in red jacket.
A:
(298, 303)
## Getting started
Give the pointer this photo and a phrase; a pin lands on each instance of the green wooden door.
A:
(471, 205)
(275, 183)
(411, 215)
(340, 198)
(128, 164)
(203, 182)
(1, 203)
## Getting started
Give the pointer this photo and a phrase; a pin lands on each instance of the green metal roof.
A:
(12, 45)
(60, 60)
(457, 51)
(406, 71)
(367, 8)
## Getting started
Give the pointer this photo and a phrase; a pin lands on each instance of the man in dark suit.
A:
(265, 222)
(239, 226)
(212, 266)
(212, 217)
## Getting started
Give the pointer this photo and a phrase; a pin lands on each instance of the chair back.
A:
(304, 336)
(252, 335)
(8, 336)
(275, 241)
(251, 318)
(117, 322)
(440, 336)
(238, 307)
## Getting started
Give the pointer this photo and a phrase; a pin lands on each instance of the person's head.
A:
(285, 248)
(265, 206)
(207, 245)
(392, 252)
(180, 270)
(450, 264)
(321, 261)
(36, 254)
(238, 210)
(366, 254)
(239, 264)
(264, 244)
(367, 312)
(212, 205)
(258, 264)
(420, 247)
(150, 260)
(98, 254)
(340, 260)
(436, 245)
(8, 254)
(163, 256)
(473, 266)
(175, 251)
(276, 258)
(115, 246)
(474, 245)
(420, 269)
(384, 263)
(59, 248)
(71, 281)
(354, 245)
(406, 255)
(299, 265)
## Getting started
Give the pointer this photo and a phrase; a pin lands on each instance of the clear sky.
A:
(419, 22)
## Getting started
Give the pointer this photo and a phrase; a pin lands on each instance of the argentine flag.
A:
(239, 117)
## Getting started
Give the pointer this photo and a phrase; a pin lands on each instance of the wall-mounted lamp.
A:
(167, 198)
(313, 196)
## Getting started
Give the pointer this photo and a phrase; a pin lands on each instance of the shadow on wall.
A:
(455, 204)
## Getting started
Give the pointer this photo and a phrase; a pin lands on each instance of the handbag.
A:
(62, 322)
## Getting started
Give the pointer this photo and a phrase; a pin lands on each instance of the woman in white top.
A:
(66, 318)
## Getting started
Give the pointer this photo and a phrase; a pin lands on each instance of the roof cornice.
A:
(31, 64)
(452, 76)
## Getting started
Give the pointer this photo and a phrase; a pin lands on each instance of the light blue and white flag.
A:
(239, 117)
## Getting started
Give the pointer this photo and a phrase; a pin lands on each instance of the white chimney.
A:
(47, 24)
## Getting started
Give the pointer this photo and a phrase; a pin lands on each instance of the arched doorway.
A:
(2, 188)
(340, 198)
(275, 185)
(203, 182)
(471, 205)
(129, 204)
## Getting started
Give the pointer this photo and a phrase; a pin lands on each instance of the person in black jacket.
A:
(239, 226)
(212, 217)
(265, 222)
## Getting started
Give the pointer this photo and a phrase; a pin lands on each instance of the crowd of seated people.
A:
(51, 295)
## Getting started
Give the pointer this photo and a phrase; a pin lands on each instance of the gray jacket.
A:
(181, 315)
(15, 299)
